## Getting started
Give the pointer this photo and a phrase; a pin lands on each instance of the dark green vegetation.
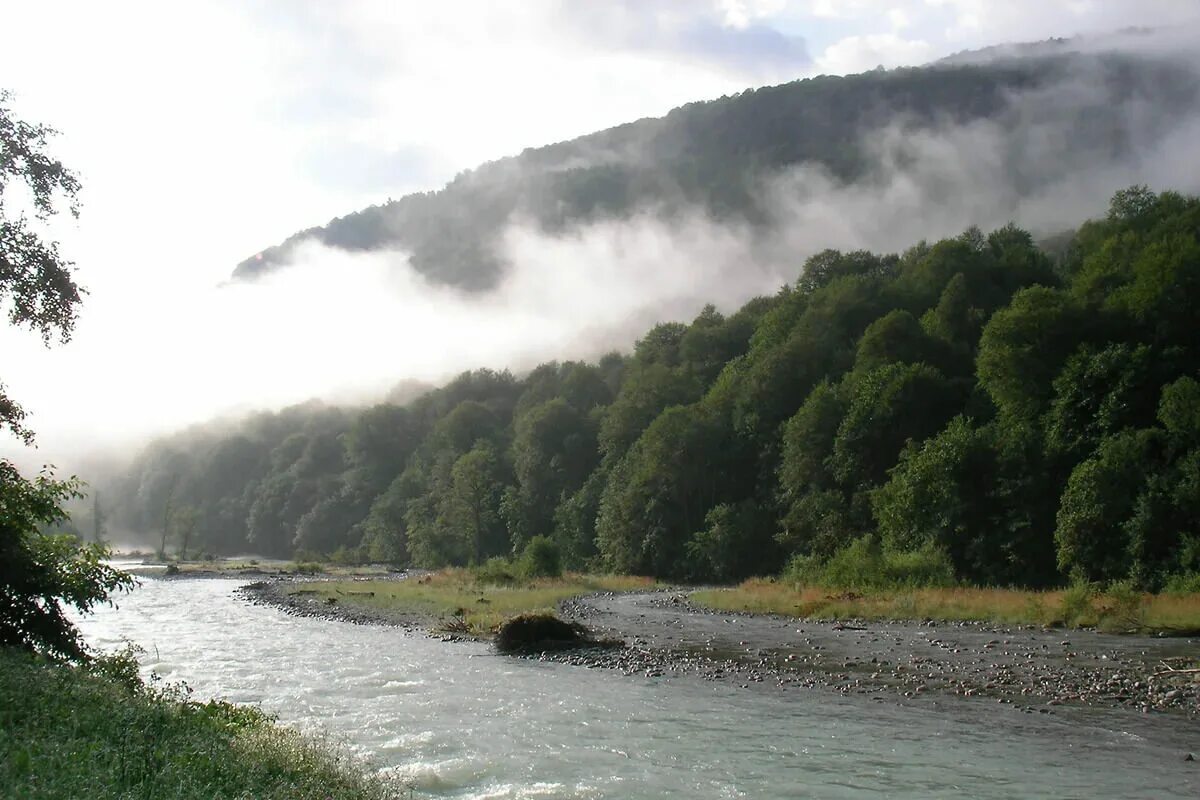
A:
(97, 731)
(39, 574)
(981, 410)
(1059, 113)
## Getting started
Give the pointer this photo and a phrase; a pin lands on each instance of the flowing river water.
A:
(456, 720)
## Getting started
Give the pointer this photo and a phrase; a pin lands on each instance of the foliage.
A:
(39, 573)
(143, 741)
(976, 401)
(863, 564)
(496, 571)
(37, 288)
(737, 541)
(1102, 494)
(1126, 607)
(540, 559)
(1077, 603)
(1183, 583)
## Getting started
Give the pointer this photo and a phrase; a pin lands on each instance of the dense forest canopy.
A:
(1052, 112)
(1011, 415)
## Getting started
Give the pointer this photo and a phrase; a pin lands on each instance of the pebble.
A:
(1026, 669)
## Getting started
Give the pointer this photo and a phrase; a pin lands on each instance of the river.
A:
(458, 721)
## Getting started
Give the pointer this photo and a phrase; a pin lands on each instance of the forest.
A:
(1090, 110)
(977, 409)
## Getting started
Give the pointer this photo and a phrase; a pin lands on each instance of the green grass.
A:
(98, 732)
(1147, 612)
(455, 595)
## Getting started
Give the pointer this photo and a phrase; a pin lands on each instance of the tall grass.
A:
(480, 600)
(1118, 609)
(98, 732)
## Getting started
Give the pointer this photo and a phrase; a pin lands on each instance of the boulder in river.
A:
(534, 632)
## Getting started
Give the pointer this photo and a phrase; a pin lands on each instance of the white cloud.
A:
(206, 131)
(898, 19)
(741, 13)
(347, 326)
(860, 53)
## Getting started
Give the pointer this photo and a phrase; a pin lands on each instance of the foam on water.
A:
(457, 721)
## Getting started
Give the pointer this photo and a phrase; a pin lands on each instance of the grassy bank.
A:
(98, 732)
(460, 599)
(1119, 610)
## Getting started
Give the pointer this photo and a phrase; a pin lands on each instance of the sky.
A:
(205, 131)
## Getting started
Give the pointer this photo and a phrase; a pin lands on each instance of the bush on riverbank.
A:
(97, 731)
(541, 558)
(863, 564)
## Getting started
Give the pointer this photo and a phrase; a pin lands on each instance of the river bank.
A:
(460, 720)
(97, 730)
(1035, 670)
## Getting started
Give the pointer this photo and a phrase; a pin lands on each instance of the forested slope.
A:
(1021, 417)
(1056, 112)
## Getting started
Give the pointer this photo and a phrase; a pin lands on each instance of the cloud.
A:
(345, 327)
(734, 36)
(190, 161)
(860, 53)
(363, 167)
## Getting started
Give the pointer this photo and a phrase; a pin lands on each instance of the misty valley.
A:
(835, 438)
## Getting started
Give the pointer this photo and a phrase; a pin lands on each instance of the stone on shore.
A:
(534, 632)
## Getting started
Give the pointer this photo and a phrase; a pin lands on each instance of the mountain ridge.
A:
(716, 155)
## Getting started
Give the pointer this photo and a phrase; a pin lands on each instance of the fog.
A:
(346, 327)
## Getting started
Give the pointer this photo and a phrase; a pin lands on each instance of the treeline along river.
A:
(458, 721)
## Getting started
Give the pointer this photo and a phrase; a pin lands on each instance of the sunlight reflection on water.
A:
(461, 722)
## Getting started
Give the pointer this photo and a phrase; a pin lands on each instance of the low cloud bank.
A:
(345, 327)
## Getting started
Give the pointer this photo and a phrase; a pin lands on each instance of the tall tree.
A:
(36, 282)
(39, 573)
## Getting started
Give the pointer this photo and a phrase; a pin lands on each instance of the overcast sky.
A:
(205, 131)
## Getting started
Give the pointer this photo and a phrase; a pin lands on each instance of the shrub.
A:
(496, 571)
(1126, 607)
(541, 559)
(348, 556)
(1076, 607)
(929, 566)
(308, 568)
(1183, 583)
(863, 564)
(40, 574)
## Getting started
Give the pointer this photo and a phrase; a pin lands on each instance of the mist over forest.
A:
(840, 409)
(1038, 135)
(932, 316)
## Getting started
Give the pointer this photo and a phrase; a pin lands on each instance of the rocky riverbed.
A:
(1034, 670)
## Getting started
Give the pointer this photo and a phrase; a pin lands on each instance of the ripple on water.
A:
(459, 722)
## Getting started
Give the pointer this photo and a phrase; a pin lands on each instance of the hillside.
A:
(1055, 111)
(976, 408)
